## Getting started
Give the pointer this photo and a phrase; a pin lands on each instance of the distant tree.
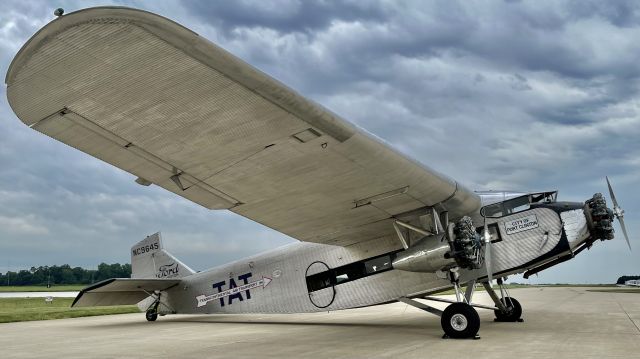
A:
(24, 277)
(64, 274)
(104, 272)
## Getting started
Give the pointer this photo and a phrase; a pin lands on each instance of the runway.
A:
(558, 323)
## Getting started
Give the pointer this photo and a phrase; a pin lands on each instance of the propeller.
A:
(487, 253)
(618, 213)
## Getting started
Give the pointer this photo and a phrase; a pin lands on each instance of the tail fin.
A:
(150, 260)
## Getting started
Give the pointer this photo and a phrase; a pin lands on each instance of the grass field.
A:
(25, 309)
(43, 288)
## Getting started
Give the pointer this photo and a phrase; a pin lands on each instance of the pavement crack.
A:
(628, 316)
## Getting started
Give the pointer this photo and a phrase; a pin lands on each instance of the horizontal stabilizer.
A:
(121, 291)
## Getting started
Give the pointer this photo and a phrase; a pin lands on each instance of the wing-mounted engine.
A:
(459, 246)
(429, 254)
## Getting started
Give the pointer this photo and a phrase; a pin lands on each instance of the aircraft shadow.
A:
(407, 323)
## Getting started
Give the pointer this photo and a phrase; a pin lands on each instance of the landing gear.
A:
(508, 308)
(152, 315)
(152, 311)
(513, 311)
(459, 321)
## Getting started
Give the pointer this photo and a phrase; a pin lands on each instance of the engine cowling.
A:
(438, 253)
(429, 254)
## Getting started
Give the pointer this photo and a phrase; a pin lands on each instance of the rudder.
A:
(150, 260)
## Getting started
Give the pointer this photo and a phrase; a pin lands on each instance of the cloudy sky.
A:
(497, 94)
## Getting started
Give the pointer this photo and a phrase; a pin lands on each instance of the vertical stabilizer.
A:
(150, 260)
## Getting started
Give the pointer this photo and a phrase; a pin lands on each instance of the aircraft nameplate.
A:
(521, 224)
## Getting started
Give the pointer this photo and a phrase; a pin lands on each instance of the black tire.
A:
(514, 313)
(460, 320)
(152, 315)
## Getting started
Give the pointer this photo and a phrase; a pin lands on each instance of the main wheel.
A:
(513, 313)
(460, 320)
(152, 315)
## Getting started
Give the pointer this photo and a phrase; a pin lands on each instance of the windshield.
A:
(517, 204)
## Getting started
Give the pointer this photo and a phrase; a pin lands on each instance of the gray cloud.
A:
(499, 95)
(285, 15)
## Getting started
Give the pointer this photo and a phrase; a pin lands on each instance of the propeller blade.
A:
(618, 213)
(487, 254)
(624, 231)
(613, 196)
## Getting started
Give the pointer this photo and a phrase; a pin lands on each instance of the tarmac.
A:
(558, 323)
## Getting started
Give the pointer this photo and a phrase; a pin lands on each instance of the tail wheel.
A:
(460, 320)
(152, 315)
(513, 313)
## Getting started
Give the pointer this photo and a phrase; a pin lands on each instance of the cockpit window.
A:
(506, 208)
(493, 210)
(517, 204)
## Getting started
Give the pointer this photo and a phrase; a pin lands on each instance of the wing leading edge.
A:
(155, 99)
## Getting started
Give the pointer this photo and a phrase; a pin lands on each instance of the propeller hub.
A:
(618, 212)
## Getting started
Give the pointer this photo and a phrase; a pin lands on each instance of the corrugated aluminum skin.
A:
(287, 293)
(523, 247)
(575, 226)
(156, 100)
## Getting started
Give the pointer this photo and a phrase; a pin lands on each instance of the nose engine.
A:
(599, 218)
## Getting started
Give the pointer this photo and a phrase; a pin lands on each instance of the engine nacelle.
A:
(436, 252)
(430, 254)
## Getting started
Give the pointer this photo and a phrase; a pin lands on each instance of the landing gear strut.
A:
(152, 311)
(508, 308)
(459, 320)
(513, 313)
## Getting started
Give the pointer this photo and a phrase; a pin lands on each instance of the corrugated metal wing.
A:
(154, 99)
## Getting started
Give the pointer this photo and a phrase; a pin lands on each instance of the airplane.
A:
(155, 99)
(632, 283)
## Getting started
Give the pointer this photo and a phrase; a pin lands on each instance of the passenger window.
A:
(377, 264)
(342, 278)
(319, 281)
(350, 272)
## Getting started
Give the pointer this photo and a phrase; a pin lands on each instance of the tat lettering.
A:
(234, 290)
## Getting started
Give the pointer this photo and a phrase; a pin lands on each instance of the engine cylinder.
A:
(428, 255)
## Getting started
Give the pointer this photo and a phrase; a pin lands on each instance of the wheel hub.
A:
(459, 322)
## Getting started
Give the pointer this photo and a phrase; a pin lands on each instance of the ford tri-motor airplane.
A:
(153, 98)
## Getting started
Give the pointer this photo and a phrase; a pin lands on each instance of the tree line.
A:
(64, 274)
